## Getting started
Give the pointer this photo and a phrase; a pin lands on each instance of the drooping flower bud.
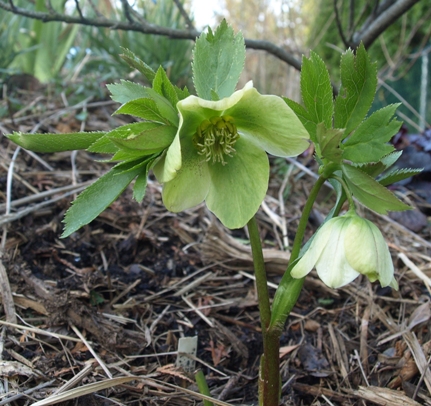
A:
(345, 247)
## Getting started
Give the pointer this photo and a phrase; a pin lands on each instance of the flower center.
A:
(215, 138)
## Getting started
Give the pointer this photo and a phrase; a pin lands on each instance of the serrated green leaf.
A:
(182, 93)
(376, 168)
(134, 62)
(369, 141)
(358, 87)
(149, 141)
(329, 142)
(97, 197)
(370, 192)
(55, 142)
(144, 108)
(141, 182)
(304, 117)
(316, 90)
(214, 96)
(126, 91)
(163, 86)
(398, 174)
(104, 145)
(218, 60)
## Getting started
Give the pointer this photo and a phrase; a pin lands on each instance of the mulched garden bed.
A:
(100, 313)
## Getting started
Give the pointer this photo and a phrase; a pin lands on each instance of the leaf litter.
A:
(96, 318)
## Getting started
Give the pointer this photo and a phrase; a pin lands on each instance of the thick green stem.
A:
(269, 379)
(299, 236)
(260, 273)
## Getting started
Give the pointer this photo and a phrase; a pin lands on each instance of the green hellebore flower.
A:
(218, 154)
(345, 247)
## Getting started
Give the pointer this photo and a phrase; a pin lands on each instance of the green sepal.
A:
(398, 174)
(316, 90)
(134, 62)
(98, 196)
(144, 108)
(126, 91)
(369, 141)
(105, 144)
(55, 142)
(218, 60)
(358, 87)
(371, 193)
(329, 142)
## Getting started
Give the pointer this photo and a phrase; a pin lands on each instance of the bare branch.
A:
(383, 15)
(126, 9)
(184, 14)
(387, 13)
(339, 27)
(78, 7)
(190, 34)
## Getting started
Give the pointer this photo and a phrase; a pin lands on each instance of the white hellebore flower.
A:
(345, 247)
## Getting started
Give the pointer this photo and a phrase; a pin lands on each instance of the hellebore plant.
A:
(212, 147)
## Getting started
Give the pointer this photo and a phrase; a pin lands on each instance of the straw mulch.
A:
(96, 318)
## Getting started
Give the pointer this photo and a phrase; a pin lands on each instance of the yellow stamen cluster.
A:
(215, 138)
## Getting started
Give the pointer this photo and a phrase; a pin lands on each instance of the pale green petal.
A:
(367, 251)
(207, 108)
(168, 166)
(312, 255)
(270, 123)
(385, 266)
(304, 266)
(238, 188)
(332, 266)
(394, 284)
(190, 185)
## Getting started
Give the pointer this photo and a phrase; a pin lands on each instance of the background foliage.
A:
(88, 57)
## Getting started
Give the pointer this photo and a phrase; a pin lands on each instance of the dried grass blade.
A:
(84, 390)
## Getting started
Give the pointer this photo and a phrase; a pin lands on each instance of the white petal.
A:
(195, 103)
(332, 266)
(311, 256)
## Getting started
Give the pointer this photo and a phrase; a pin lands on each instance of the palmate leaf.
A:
(55, 142)
(218, 60)
(98, 196)
(369, 141)
(370, 192)
(358, 87)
